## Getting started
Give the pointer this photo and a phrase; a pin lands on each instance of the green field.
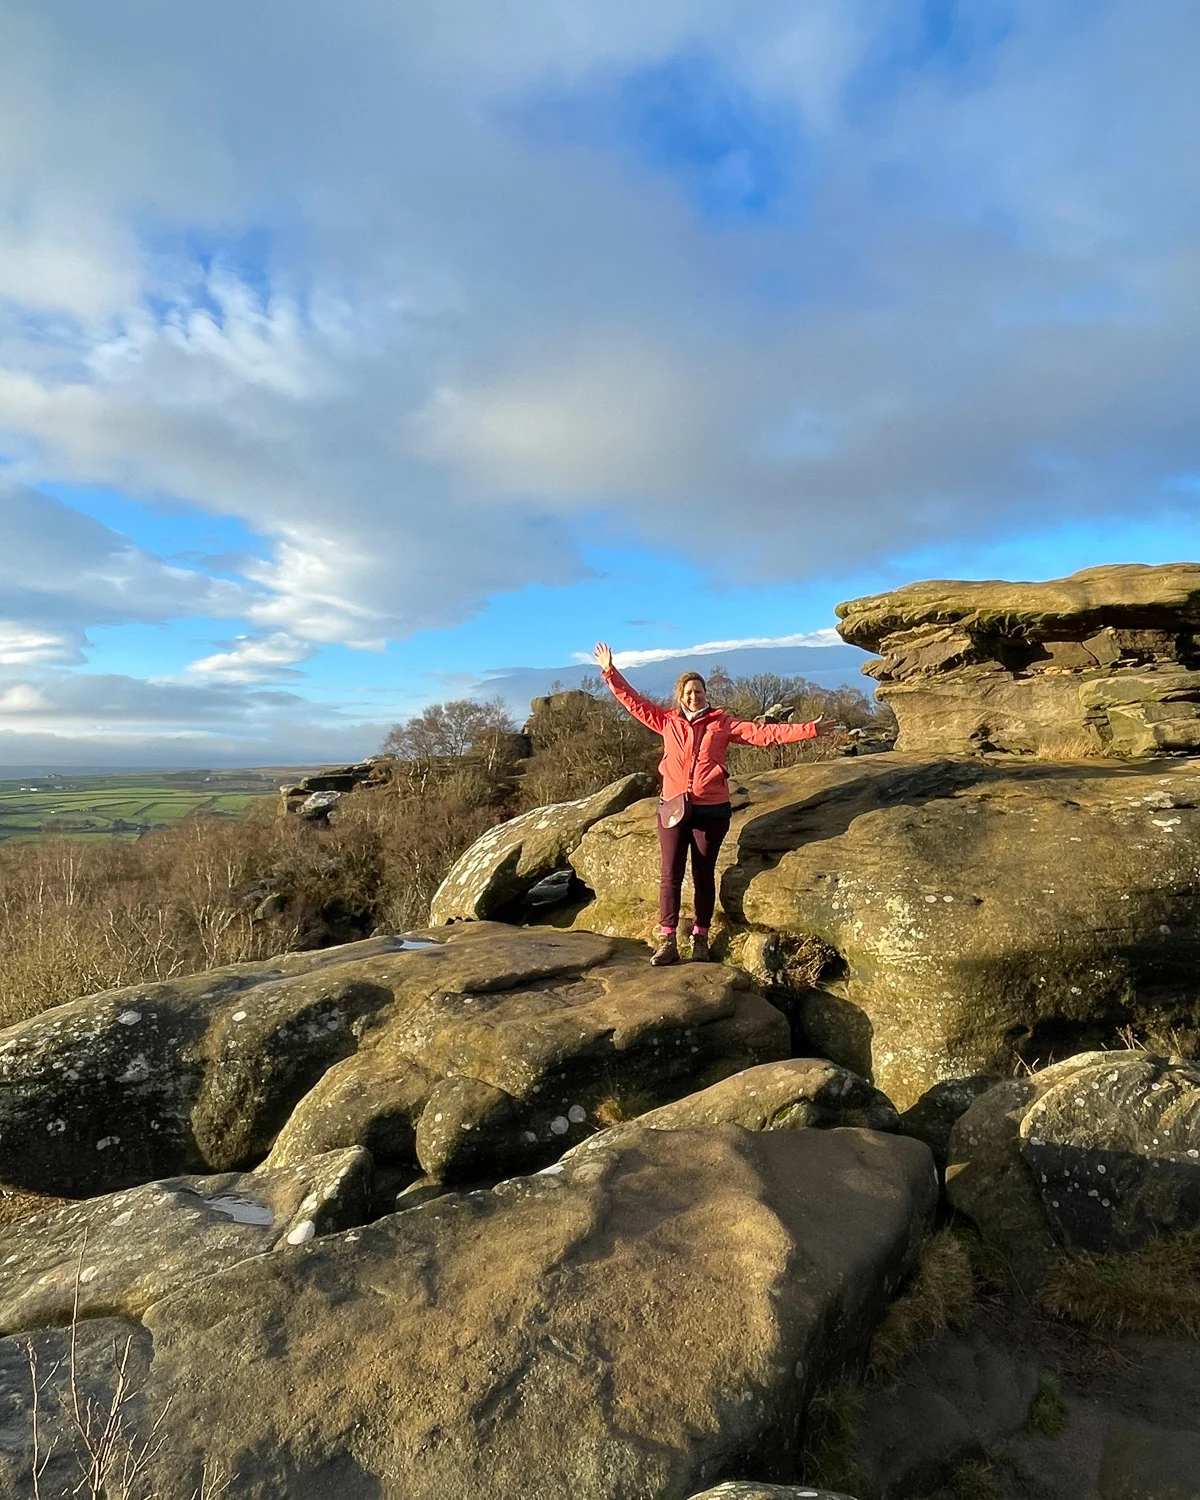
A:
(127, 804)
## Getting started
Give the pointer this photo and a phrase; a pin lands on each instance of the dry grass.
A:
(16, 1203)
(792, 961)
(1152, 1290)
(95, 1438)
(1072, 748)
(76, 918)
(941, 1295)
(974, 1481)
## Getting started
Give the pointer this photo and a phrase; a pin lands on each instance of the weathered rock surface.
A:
(1125, 1415)
(749, 1489)
(511, 859)
(977, 912)
(332, 784)
(952, 1402)
(1098, 1153)
(1102, 663)
(632, 1324)
(476, 1054)
(193, 1074)
(483, 1081)
(119, 1253)
(800, 1093)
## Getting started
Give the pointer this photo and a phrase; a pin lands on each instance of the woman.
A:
(694, 810)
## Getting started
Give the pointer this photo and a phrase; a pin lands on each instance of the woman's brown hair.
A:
(682, 681)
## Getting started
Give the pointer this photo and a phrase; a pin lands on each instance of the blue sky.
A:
(343, 365)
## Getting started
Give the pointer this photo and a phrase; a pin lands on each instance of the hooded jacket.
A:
(694, 750)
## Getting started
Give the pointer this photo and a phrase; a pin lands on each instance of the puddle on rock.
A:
(242, 1210)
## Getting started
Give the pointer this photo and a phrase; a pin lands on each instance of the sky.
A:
(354, 357)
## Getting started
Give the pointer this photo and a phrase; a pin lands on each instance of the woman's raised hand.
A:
(603, 655)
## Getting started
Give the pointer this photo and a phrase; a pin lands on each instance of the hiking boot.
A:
(667, 951)
(700, 953)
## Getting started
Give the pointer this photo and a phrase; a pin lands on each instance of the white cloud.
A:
(66, 718)
(624, 659)
(251, 659)
(336, 281)
(22, 646)
(22, 698)
(62, 572)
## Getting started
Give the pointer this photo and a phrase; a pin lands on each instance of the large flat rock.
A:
(630, 1324)
(481, 1053)
(978, 912)
(483, 1082)
(1132, 595)
(118, 1253)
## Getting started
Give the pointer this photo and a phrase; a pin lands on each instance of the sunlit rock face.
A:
(1105, 662)
(977, 913)
(632, 1322)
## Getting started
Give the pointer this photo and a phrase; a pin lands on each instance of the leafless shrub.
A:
(97, 1437)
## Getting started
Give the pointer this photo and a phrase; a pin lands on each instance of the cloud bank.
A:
(420, 294)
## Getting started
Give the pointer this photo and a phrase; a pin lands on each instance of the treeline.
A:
(80, 916)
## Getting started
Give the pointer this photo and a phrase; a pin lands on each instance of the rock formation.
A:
(314, 797)
(509, 860)
(121, 1252)
(803, 1093)
(367, 1295)
(1105, 662)
(484, 1052)
(503, 1046)
(972, 913)
(1098, 1153)
(515, 1342)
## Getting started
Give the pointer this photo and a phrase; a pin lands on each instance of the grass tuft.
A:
(940, 1295)
(828, 1459)
(1152, 1290)
(974, 1481)
(1048, 1414)
(802, 958)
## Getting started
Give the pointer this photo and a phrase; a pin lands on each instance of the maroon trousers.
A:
(702, 831)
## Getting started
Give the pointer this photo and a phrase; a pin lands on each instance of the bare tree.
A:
(447, 728)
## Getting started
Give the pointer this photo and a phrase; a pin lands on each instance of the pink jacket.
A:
(694, 750)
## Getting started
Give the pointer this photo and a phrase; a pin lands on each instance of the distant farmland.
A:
(127, 804)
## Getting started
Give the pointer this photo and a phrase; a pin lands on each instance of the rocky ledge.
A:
(1105, 662)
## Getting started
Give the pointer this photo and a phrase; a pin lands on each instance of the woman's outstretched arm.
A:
(743, 732)
(652, 715)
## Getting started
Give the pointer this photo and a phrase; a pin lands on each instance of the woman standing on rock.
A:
(694, 810)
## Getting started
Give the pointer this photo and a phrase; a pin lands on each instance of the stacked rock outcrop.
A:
(1105, 662)
(314, 797)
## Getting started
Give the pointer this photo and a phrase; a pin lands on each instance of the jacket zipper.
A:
(697, 740)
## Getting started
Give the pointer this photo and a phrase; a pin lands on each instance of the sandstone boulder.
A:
(953, 1401)
(480, 1082)
(119, 1253)
(631, 1324)
(187, 1075)
(477, 1054)
(800, 1093)
(1098, 1153)
(1104, 662)
(509, 860)
(971, 913)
